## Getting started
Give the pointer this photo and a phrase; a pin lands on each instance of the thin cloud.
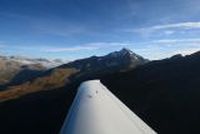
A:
(70, 49)
(175, 41)
(184, 25)
(157, 53)
(167, 29)
(88, 46)
(109, 44)
(160, 49)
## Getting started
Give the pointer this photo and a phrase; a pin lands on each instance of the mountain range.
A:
(164, 93)
(75, 71)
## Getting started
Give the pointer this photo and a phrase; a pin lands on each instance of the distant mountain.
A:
(118, 60)
(15, 69)
(9, 69)
(76, 71)
(94, 67)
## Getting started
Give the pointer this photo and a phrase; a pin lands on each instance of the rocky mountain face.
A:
(119, 60)
(95, 67)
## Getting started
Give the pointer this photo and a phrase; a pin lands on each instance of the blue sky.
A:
(71, 29)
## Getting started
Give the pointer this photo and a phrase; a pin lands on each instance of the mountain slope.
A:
(164, 93)
(56, 79)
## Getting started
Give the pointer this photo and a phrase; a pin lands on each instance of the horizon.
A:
(74, 29)
(80, 58)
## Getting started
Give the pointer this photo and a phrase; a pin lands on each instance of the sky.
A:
(71, 29)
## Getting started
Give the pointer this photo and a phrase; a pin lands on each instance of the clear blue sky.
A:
(71, 29)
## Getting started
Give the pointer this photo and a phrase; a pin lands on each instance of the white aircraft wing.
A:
(96, 110)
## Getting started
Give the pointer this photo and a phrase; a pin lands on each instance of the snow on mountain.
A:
(115, 61)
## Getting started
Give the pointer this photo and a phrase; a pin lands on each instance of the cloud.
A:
(87, 47)
(164, 48)
(157, 53)
(109, 44)
(167, 29)
(70, 49)
(184, 25)
(176, 41)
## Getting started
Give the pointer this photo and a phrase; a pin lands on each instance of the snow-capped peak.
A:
(124, 52)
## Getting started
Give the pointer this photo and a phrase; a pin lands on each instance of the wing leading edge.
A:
(96, 110)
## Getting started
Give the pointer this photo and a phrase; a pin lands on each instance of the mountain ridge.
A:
(75, 71)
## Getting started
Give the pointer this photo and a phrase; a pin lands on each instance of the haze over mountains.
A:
(31, 61)
(16, 69)
(160, 92)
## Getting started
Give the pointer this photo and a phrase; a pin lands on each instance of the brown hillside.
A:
(56, 79)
